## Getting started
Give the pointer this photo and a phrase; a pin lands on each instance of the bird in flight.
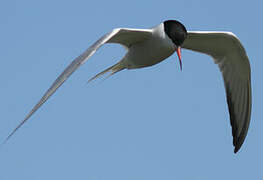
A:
(147, 47)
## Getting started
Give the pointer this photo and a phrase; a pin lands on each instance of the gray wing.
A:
(123, 36)
(230, 55)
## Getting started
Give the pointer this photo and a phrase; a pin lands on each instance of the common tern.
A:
(147, 47)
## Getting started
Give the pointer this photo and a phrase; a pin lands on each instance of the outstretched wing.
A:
(230, 55)
(123, 36)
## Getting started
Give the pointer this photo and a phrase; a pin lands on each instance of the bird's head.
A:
(177, 33)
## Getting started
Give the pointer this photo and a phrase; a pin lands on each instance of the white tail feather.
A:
(113, 69)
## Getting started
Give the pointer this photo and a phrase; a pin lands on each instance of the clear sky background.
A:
(147, 124)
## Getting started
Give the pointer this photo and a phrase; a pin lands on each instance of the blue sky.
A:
(152, 123)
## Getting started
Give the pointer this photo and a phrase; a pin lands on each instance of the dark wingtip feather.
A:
(238, 140)
(239, 144)
(237, 147)
(232, 117)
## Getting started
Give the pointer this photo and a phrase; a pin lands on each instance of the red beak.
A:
(179, 56)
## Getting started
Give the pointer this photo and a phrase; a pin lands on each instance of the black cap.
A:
(175, 31)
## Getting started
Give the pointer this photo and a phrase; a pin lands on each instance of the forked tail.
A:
(113, 69)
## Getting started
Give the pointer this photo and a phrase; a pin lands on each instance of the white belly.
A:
(148, 53)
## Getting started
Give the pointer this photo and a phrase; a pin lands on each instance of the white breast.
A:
(151, 51)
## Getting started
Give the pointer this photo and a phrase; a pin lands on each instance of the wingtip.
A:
(4, 142)
(238, 144)
(7, 138)
(237, 147)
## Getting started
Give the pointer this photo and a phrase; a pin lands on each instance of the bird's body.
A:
(140, 55)
(147, 47)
